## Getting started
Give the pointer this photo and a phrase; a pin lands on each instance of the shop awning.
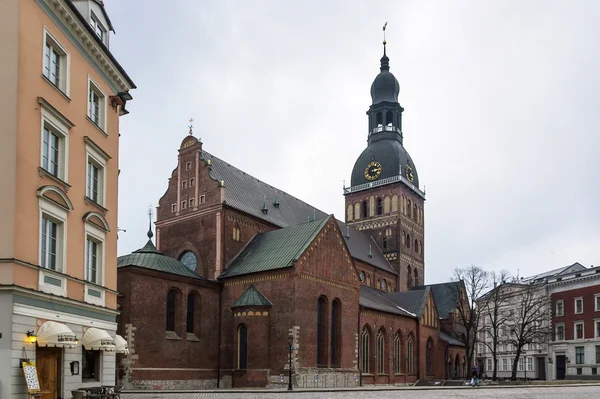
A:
(121, 344)
(55, 334)
(97, 339)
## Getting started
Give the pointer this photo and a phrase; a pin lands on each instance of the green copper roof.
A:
(252, 297)
(274, 249)
(149, 257)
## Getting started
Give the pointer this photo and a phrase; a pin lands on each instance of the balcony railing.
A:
(383, 182)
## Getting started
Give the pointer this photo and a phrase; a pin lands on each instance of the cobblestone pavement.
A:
(580, 392)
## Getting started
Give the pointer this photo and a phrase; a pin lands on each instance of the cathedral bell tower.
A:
(384, 196)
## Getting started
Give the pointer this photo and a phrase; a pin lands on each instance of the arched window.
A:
(408, 240)
(364, 350)
(397, 353)
(380, 352)
(403, 238)
(409, 279)
(421, 247)
(379, 119)
(336, 333)
(417, 281)
(409, 355)
(386, 205)
(394, 203)
(189, 260)
(242, 362)
(417, 245)
(428, 356)
(379, 206)
(192, 309)
(171, 309)
(415, 211)
(322, 332)
(357, 211)
(387, 239)
(389, 118)
(349, 213)
(409, 208)
(236, 233)
(368, 281)
(365, 209)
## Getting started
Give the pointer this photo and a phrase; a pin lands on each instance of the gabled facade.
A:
(63, 93)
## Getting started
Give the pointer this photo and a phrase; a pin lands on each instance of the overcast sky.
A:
(501, 112)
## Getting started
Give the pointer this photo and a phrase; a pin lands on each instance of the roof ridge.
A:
(310, 239)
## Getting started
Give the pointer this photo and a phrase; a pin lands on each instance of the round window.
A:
(189, 260)
(383, 284)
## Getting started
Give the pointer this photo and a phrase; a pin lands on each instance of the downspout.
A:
(220, 329)
(418, 349)
(359, 348)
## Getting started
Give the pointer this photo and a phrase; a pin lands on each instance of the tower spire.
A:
(150, 235)
(384, 42)
(385, 61)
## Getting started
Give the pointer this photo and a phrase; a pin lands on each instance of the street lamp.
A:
(291, 346)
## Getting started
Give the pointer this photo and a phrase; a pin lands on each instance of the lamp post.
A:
(291, 346)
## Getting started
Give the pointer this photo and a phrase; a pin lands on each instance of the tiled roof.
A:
(273, 250)
(450, 339)
(412, 301)
(248, 194)
(252, 297)
(149, 257)
(376, 300)
(561, 270)
(444, 295)
(359, 243)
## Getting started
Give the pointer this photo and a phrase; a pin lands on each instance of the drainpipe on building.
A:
(220, 328)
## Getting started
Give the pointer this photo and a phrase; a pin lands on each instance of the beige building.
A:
(62, 95)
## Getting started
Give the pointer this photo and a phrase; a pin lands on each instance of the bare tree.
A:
(472, 282)
(492, 315)
(527, 321)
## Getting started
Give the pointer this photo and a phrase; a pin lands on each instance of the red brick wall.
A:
(144, 297)
(376, 275)
(569, 318)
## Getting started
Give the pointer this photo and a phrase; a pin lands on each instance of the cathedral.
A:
(244, 281)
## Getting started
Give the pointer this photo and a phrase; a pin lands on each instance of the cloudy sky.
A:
(501, 112)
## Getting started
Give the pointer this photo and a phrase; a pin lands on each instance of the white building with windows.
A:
(62, 95)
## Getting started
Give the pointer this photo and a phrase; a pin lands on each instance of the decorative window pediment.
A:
(97, 220)
(55, 195)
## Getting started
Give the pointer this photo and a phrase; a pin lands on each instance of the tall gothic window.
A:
(380, 352)
(365, 209)
(408, 240)
(191, 311)
(322, 332)
(364, 354)
(428, 356)
(409, 355)
(171, 303)
(242, 362)
(417, 281)
(379, 206)
(409, 279)
(397, 353)
(389, 118)
(336, 333)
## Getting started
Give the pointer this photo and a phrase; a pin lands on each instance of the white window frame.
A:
(575, 324)
(596, 302)
(489, 364)
(191, 202)
(188, 165)
(556, 332)
(58, 215)
(596, 325)
(202, 199)
(184, 184)
(521, 364)
(562, 302)
(102, 108)
(504, 364)
(579, 298)
(192, 182)
(97, 25)
(99, 160)
(65, 62)
(173, 208)
(97, 235)
(52, 121)
(183, 204)
(529, 364)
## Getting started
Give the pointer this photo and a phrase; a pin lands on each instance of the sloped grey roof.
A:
(273, 250)
(151, 258)
(412, 301)
(444, 295)
(248, 194)
(252, 297)
(450, 339)
(575, 267)
(376, 300)
(358, 243)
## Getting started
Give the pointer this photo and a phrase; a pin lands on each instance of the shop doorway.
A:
(48, 364)
(560, 367)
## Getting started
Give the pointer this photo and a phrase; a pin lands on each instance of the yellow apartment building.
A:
(61, 95)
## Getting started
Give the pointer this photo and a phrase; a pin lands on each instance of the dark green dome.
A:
(392, 156)
(385, 87)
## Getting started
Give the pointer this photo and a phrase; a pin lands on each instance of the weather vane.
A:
(191, 126)
(384, 26)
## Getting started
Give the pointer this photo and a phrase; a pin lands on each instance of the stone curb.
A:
(358, 389)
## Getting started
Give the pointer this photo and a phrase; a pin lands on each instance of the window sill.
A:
(89, 201)
(382, 375)
(96, 126)
(191, 337)
(172, 335)
(44, 173)
(56, 88)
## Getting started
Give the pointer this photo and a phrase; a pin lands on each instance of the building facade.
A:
(575, 344)
(240, 266)
(63, 94)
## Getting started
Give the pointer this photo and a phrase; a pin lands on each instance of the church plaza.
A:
(548, 392)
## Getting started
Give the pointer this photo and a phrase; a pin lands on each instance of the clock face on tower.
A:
(409, 174)
(373, 170)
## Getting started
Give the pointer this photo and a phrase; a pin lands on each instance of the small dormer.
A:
(95, 13)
